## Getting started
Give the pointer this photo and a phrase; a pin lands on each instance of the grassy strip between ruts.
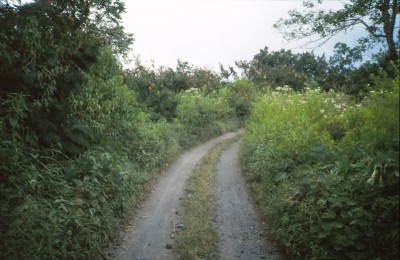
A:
(197, 239)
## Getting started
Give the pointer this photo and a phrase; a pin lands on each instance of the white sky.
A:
(206, 33)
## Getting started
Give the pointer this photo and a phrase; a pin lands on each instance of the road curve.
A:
(239, 227)
(151, 232)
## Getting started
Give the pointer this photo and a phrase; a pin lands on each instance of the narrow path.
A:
(151, 232)
(240, 230)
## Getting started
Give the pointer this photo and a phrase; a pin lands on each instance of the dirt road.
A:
(239, 228)
(151, 232)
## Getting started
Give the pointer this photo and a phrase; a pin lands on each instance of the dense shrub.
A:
(48, 49)
(202, 116)
(157, 88)
(239, 94)
(327, 170)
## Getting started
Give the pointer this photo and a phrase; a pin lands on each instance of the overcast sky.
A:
(206, 33)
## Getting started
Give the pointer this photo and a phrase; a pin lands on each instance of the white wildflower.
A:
(381, 181)
(372, 179)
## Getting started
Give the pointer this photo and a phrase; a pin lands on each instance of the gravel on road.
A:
(239, 227)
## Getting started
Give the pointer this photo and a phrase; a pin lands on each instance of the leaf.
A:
(79, 202)
(13, 122)
(337, 204)
(344, 214)
(359, 222)
(102, 199)
(322, 202)
(337, 225)
(326, 226)
(323, 234)
(280, 176)
(70, 172)
(52, 213)
(318, 147)
(328, 215)
(62, 206)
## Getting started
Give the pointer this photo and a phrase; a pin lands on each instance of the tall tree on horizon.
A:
(378, 17)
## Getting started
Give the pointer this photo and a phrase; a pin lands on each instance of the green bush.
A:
(239, 95)
(327, 171)
(155, 144)
(202, 116)
(157, 88)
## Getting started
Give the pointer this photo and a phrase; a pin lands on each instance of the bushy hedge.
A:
(327, 171)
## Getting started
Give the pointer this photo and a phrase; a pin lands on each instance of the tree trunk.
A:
(389, 21)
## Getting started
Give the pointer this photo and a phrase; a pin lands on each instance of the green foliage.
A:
(343, 72)
(378, 18)
(344, 76)
(283, 67)
(55, 206)
(64, 211)
(327, 170)
(46, 65)
(239, 95)
(155, 145)
(203, 116)
(157, 88)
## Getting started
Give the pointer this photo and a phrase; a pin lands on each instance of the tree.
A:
(378, 17)
(278, 68)
(47, 48)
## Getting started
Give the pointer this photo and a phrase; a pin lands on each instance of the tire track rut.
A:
(239, 227)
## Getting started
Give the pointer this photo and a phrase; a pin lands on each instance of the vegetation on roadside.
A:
(327, 170)
(197, 238)
(322, 146)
